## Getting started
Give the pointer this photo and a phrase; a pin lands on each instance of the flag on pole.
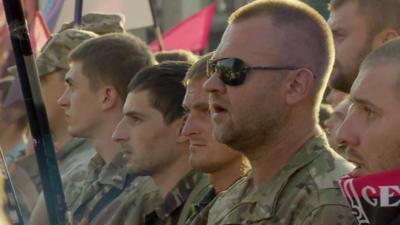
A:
(51, 11)
(39, 32)
(191, 34)
(7, 59)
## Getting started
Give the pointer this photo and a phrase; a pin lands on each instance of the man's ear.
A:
(110, 98)
(299, 85)
(385, 35)
(180, 123)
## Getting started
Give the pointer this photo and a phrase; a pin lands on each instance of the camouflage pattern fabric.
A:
(54, 55)
(72, 156)
(75, 153)
(100, 179)
(305, 191)
(140, 198)
(205, 200)
(99, 23)
(176, 205)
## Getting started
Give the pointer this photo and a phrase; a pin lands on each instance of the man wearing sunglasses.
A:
(266, 81)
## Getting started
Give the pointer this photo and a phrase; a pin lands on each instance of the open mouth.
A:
(358, 170)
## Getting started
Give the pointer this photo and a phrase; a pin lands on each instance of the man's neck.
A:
(102, 138)
(106, 148)
(225, 177)
(268, 159)
(9, 139)
(60, 134)
(168, 178)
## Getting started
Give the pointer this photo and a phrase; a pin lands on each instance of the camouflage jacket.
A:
(199, 210)
(177, 205)
(305, 191)
(140, 198)
(77, 152)
(73, 154)
(82, 196)
(26, 177)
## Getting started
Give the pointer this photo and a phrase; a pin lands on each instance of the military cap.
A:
(54, 55)
(99, 23)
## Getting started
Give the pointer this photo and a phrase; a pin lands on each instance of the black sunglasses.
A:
(233, 71)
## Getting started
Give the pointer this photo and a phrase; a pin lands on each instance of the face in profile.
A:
(149, 144)
(52, 88)
(81, 103)
(353, 42)
(371, 128)
(206, 154)
(335, 120)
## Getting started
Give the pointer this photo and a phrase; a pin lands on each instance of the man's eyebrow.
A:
(362, 101)
(133, 113)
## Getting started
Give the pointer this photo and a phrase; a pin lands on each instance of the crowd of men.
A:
(231, 137)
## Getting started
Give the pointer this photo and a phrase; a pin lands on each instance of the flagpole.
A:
(39, 125)
(156, 26)
(78, 13)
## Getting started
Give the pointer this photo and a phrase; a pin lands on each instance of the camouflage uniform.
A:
(15, 153)
(26, 177)
(54, 57)
(201, 206)
(82, 197)
(140, 198)
(176, 206)
(99, 23)
(303, 192)
(75, 153)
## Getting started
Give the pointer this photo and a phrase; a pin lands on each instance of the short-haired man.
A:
(92, 101)
(358, 27)
(266, 82)
(371, 133)
(52, 63)
(72, 153)
(223, 165)
(150, 135)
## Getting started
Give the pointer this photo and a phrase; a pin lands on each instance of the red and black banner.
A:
(374, 199)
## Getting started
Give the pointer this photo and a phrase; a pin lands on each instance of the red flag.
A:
(191, 34)
(39, 32)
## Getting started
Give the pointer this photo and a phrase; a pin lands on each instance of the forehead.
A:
(195, 94)
(346, 15)
(138, 101)
(253, 40)
(75, 69)
(378, 83)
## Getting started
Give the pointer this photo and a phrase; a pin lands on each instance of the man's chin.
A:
(339, 82)
(359, 172)
(74, 132)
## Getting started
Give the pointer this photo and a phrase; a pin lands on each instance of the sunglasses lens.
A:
(229, 70)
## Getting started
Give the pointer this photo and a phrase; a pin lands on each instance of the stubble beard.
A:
(341, 79)
(249, 134)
